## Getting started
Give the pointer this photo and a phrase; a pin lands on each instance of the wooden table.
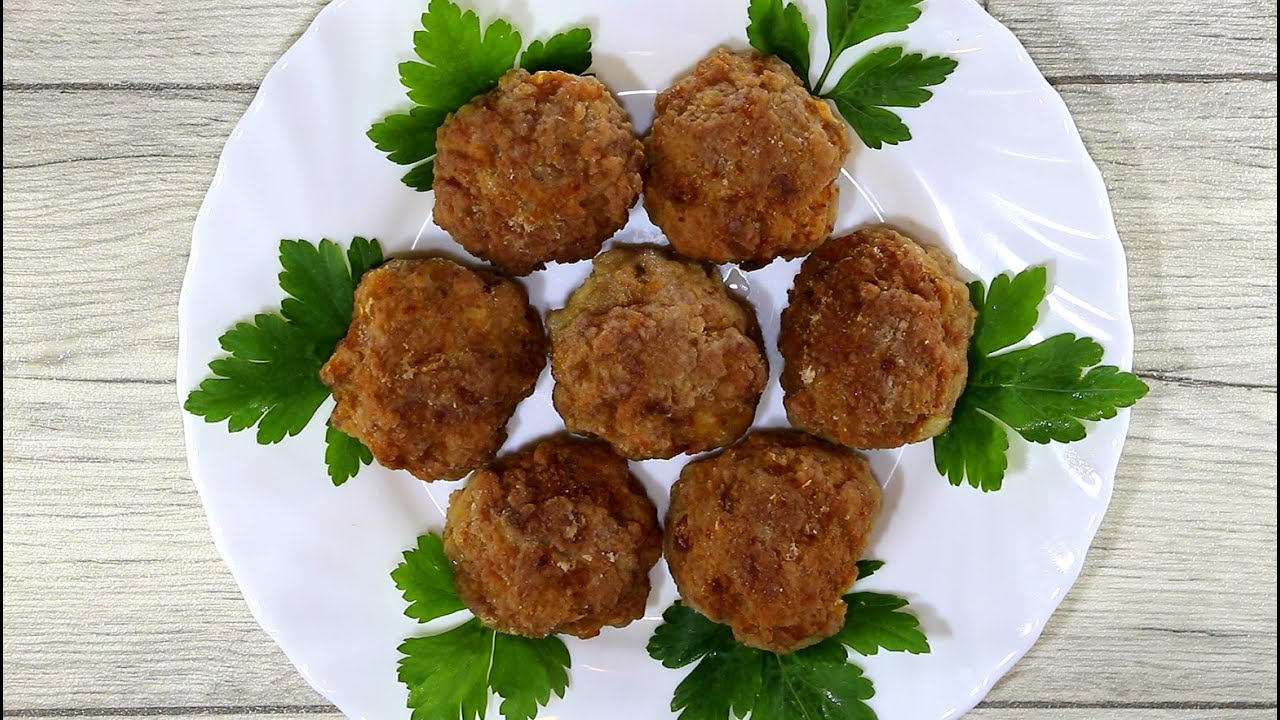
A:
(115, 604)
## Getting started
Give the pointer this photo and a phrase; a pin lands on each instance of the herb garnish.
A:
(732, 680)
(455, 673)
(272, 377)
(882, 79)
(1043, 391)
(459, 62)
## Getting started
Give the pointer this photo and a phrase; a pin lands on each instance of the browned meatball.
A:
(654, 356)
(765, 537)
(435, 361)
(743, 162)
(558, 538)
(875, 341)
(544, 168)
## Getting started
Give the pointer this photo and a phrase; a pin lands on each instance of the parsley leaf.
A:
(850, 22)
(887, 78)
(344, 455)
(409, 139)
(454, 674)
(448, 674)
(875, 621)
(271, 378)
(567, 51)
(426, 579)
(867, 568)
(1040, 392)
(321, 285)
(974, 446)
(1044, 392)
(460, 60)
(781, 31)
(816, 682)
(526, 671)
(731, 680)
(1009, 310)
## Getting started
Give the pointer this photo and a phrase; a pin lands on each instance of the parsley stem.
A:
(831, 62)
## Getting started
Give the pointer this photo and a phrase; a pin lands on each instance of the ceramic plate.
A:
(996, 174)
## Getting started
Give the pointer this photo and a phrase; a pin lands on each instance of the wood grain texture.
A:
(109, 568)
(1176, 37)
(235, 42)
(981, 714)
(115, 599)
(1173, 156)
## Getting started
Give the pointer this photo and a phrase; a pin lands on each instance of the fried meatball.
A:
(435, 361)
(653, 355)
(743, 162)
(543, 168)
(875, 341)
(765, 537)
(557, 538)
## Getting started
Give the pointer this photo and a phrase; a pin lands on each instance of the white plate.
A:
(996, 173)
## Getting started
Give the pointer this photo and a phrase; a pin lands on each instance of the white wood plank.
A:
(1191, 171)
(187, 41)
(109, 569)
(1203, 280)
(1133, 37)
(978, 714)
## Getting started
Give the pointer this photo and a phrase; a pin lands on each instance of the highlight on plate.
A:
(532, 161)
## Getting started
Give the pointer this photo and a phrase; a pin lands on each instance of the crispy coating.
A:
(875, 341)
(557, 538)
(765, 537)
(543, 168)
(743, 162)
(653, 355)
(435, 361)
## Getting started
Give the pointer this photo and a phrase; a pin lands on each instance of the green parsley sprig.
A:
(731, 680)
(271, 379)
(456, 673)
(459, 62)
(1043, 392)
(886, 78)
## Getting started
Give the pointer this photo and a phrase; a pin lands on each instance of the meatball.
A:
(543, 168)
(435, 361)
(557, 538)
(875, 341)
(743, 162)
(653, 355)
(765, 537)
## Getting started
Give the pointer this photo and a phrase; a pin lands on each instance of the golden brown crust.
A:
(435, 361)
(544, 168)
(875, 341)
(743, 162)
(557, 538)
(765, 537)
(652, 355)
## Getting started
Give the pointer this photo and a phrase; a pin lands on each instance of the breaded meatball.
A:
(557, 538)
(875, 341)
(653, 355)
(765, 537)
(743, 162)
(435, 361)
(543, 168)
